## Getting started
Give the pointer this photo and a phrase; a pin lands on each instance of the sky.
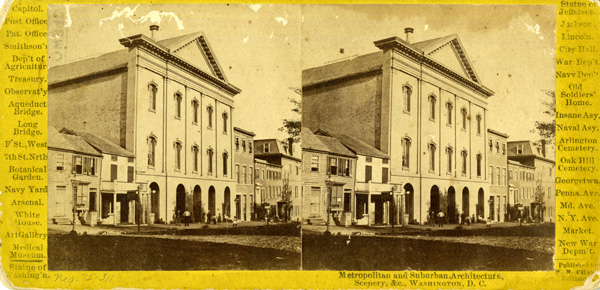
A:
(512, 48)
(257, 46)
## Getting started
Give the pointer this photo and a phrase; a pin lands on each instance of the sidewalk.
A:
(121, 228)
(384, 229)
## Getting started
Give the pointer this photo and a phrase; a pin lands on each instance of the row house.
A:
(269, 188)
(423, 105)
(328, 181)
(536, 173)
(103, 179)
(171, 105)
(244, 169)
(288, 195)
(73, 179)
(498, 171)
(372, 200)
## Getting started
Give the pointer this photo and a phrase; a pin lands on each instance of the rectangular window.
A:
(237, 173)
(92, 206)
(492, 174)
(314, 163)
(347, 199)
(60, 162)
(498, 175)
(519, 149)
(333, 166)
(250, 171)
(113, 172)
(77, 164)
(130, 173)
(368, 173)
(82, 198)
(384, 175)
(369, 159)
(113, 158)
(244, 174)
(503, 176)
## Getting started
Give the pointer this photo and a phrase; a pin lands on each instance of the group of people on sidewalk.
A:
(440, 219)
(207, 218)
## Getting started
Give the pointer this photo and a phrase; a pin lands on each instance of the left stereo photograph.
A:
(174, 137)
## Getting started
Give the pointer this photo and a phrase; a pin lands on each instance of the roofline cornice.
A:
(400, 46)
(150, 44)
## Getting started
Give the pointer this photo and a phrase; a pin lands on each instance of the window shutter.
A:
(328, 165)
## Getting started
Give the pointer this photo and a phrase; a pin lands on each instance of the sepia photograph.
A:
(428, 137)
(174, 137)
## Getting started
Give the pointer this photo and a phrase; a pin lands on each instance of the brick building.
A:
(424, 106)
(244, 173)
(170, 104)
(497, 164)
(289, 178)
(536, 178)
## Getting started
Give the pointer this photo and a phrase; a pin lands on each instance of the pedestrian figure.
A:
(219, 219)
(441, 219)
(208, 213)
(463, 217)
(235, 221)
(432, 218)
(488, 222)
(460, 218)
(187, 216)
(177, 218)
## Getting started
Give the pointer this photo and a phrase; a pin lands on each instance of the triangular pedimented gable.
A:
(195, 49)
(449, 51)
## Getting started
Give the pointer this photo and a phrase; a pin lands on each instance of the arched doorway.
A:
(480, 204)
(434, 199)
(466, 205)
(227, 203)
(211, 201)
(155, 200)
(180, 200)
(451, 205)
(197, 204)
(409, 202)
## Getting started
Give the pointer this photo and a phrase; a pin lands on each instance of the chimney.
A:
(153, 28)
(543, 142)
(409, 32)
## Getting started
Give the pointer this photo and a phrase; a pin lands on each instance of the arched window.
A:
(195, 151)
(152, 90)
(405, 152)
(479, 165)
(225, 157)
(209, 114)
(209, 154)
(244, 145)
(177, 146)
(237, 143)
(195, 112)
(432, 149)
(250, 146)
(449, 108)
(478, 124)
(225, 122)
(407, 94)
(463, 112)
(449, 154)
(432, 101)
(178, 105)
(151, 151)
(464, 161)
